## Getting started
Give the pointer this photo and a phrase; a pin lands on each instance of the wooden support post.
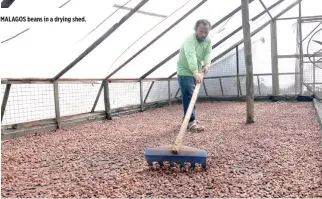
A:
(141, 94)
(169, 92)
(107, 100)
(5, 100)
(274, 58)
(248, 61)
(222, 90)
(301, 47)
(56, 98)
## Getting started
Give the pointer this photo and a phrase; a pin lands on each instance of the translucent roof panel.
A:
(311, 7)
(309, 45)
(286, 37)
(170, 67)
(130, 37)
(46, 48)
(172, 40)
(276, 10)
(217, 34)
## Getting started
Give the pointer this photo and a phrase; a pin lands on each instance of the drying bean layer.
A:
(280, 155)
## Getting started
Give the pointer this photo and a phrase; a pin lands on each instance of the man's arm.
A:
(191, 56)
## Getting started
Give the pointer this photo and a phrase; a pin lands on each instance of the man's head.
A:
(202, 29)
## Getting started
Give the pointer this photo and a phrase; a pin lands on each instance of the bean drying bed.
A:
(278, 156)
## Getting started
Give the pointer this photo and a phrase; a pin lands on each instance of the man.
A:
(194, 60)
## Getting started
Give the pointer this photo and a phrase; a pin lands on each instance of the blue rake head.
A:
(186, 154)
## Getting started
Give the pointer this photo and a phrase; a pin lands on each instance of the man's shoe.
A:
(193, 126)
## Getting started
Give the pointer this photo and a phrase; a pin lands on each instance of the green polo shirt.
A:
(193, 56)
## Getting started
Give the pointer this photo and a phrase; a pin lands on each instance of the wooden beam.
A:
(107, 100)
(141, 12)
(100, 40)
(64, 4)
(156, 38)
(177, 93)
(177, 51)
(204, 87)
(249, 62)
(298, 56)
(6, 3)
(274, 59)
(57, 110)
(16, 35)
(97, 97)
(269, 8)
(265, 8)
(301, 48)
(227, 37)
(318, 17)
(5, 100)
(221, 88)
(147, 95)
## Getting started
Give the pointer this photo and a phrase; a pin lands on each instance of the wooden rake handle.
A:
(178, 143)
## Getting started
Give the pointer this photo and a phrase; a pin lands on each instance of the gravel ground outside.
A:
(278, 156)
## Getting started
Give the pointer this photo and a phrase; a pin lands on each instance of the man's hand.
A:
(205, 69)
(198, 77)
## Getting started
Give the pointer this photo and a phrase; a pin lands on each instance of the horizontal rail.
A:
(95, 81)
(298, 56)
(303, 17)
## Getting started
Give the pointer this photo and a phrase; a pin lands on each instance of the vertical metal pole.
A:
(169, 92)
(238, 80)
(107, 100)
(275, 77)
(5, 100)
(248, 61)
(141, 94)
(301, 48)
(314, 74)
(56, 98)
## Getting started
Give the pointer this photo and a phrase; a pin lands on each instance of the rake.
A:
(177, 154)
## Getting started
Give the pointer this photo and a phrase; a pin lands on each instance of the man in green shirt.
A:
(194, 59)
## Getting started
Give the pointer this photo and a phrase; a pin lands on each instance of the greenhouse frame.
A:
(69, 97)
